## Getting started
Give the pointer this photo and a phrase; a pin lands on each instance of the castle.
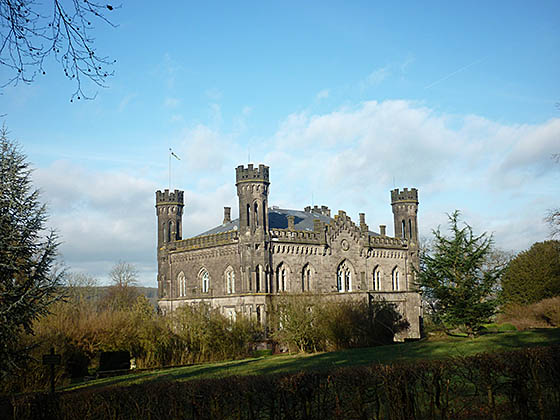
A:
(241, 265)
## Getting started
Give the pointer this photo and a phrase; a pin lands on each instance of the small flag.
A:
(173, 154)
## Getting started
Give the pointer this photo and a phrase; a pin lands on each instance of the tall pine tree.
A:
(27, 253)
(457, 277)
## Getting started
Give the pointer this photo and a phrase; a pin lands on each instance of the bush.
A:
(543, 314)
(310, 323)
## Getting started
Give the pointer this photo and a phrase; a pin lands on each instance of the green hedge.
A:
(522, 384)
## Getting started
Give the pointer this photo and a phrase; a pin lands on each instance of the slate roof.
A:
(278, 219)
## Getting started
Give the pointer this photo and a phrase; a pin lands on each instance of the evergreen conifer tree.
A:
(27, 282)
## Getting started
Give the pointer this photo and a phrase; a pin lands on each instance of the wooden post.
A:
(51, 360)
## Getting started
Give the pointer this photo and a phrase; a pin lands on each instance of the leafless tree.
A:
(31, 31)
(124, 275)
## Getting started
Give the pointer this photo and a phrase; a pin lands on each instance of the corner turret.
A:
(405, 210)
(169, 211)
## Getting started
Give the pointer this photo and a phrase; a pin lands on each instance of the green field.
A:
(420, 350)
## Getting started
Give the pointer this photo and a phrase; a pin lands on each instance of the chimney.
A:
(291, 222)
(382, 230)
(227, 215)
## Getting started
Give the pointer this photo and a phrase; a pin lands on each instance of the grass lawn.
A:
(419, 350)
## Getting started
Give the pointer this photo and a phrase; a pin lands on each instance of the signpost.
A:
(52, 360)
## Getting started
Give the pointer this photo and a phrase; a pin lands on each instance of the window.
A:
(395, 279)
(205, 279)
(403, 229)
(248, 215)
(344, 277)
(182, 284)
(377, 278)
(282, 278)
(230, 280)
(258, 278)
(409, 228)
(256, 214)
(169, 235)
(306, 278)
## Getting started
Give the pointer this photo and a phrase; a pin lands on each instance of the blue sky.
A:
(344, 101)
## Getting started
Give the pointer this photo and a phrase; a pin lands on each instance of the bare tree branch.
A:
(30, 32)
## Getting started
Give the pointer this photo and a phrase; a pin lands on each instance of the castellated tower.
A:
(169, 211)
(252, 191)
(405, 210)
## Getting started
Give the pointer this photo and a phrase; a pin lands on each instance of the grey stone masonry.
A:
(242, 265)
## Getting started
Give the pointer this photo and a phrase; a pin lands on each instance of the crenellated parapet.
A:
(295, 236)
(207, 241)
(251, 174)
(169, 197)
(404, 196)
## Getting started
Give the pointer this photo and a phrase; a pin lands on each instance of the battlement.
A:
(405, 195)
(166, 197)
(250, 174)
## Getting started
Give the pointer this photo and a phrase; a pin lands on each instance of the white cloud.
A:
(170, 102)
(376, 77)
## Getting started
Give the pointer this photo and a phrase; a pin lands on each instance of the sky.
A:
(344, 101)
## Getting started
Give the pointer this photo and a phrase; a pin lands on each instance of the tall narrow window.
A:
(258, 279)
(182, 284)
(264, 215)
(409, 228)
(395, 279)
(169, 231)
(344, 277)
(403, 229)
(377, 278)
(230, 280)
(248, 215)
(306, 278)
(205, 281)
(256, 214)
(282, 278)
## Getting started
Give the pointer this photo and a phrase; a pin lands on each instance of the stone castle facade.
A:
(242, 265)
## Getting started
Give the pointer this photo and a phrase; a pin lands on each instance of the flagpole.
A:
(169, 169)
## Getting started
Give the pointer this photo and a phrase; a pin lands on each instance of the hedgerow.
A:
(521, 384)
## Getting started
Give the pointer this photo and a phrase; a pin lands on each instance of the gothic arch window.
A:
(204, 280)
(169, 230)
(377, 276)
(344, 277)
(306, 278)
(264, 215)
(409, 228)
(256, 216)
(182, 281)
(259, 279)
(403, 229)
(230, 280)
(282, 274)
(248, 215)
(165, 230)
(395, 279)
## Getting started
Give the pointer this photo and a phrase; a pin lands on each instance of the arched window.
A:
(169, 231)
(258, 278)
(282, 278)
(403, 229)
(256, 214)
(165, 234)
(306, 278)
(409, 228)
(248, 215)
(204, 280)
(230, 280)
(182, 284)
(395, 279)
(264, 215)
(344, 277)
(377, 278)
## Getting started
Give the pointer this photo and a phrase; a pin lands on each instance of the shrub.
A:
(543, 314)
